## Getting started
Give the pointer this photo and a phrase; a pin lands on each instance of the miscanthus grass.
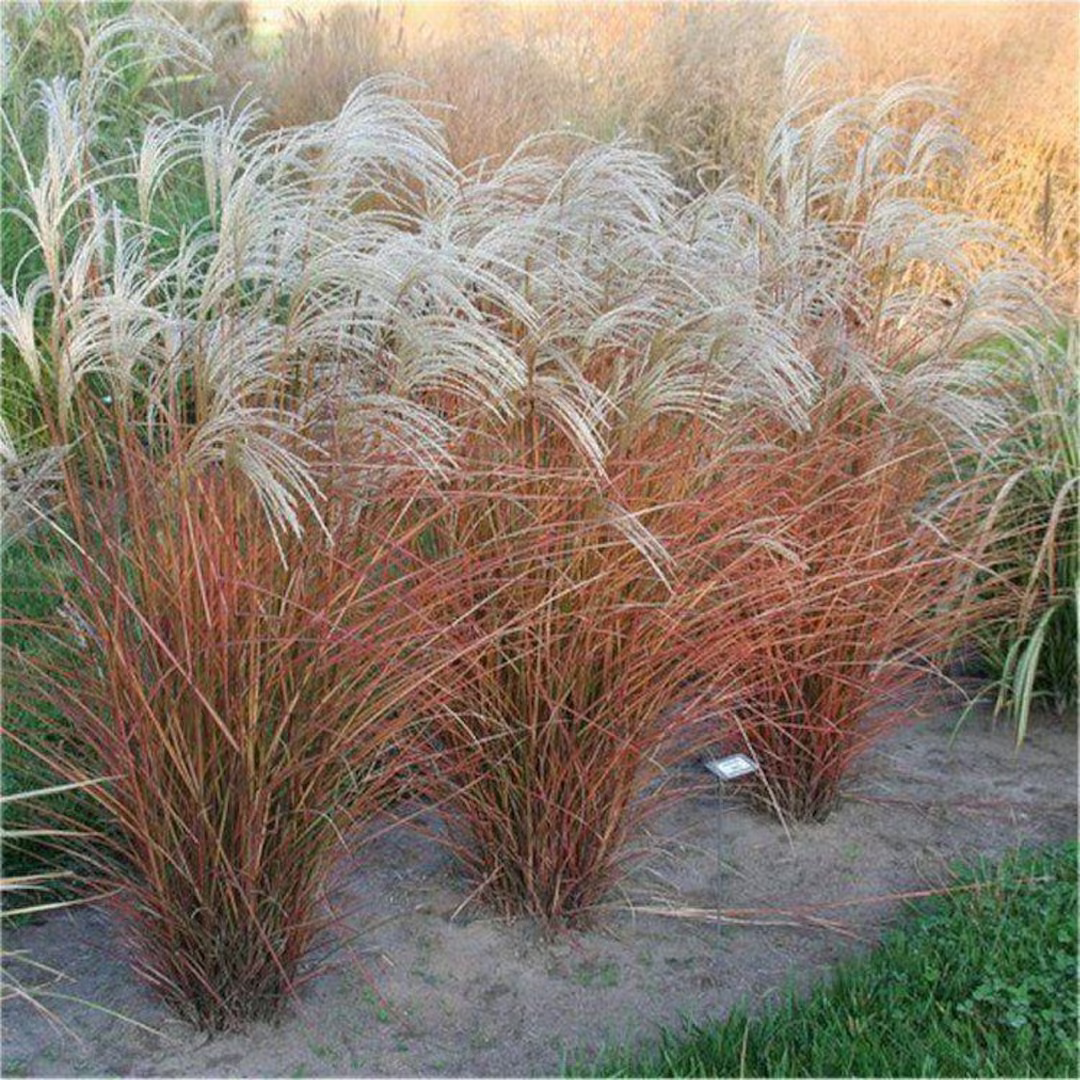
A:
(517, 470)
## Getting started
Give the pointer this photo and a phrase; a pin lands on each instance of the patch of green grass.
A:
(29, 596)
(980, 982)
(591, 974)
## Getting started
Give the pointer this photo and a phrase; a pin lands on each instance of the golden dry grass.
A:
(700, 82)
(1015, 68)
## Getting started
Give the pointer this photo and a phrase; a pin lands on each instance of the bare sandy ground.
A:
(430, 984)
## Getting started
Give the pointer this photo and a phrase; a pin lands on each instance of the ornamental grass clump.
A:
(602, 524)
(238, 644)
(547, 473)
(592, 654)
(874, 593)
(875, 500)
(244, 700)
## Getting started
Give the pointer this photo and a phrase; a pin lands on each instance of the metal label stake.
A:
(724, 769)
(731, 767)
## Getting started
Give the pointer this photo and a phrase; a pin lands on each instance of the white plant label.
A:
(731, 767)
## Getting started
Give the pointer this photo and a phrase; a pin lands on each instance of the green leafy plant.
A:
(1032, 652)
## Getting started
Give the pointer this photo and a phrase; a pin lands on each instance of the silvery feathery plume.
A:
(28, 482)
(606, 263)
(886, 286)
(314, 292)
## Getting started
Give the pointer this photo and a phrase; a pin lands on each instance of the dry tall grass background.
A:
(699, 82)
(1014, 68)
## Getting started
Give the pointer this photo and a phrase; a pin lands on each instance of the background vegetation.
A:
(700, 82)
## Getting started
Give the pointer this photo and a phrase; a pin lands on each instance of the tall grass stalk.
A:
(1032, 651)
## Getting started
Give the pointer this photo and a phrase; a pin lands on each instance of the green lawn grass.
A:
(977, 983)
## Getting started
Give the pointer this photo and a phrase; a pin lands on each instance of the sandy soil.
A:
(432, 985)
